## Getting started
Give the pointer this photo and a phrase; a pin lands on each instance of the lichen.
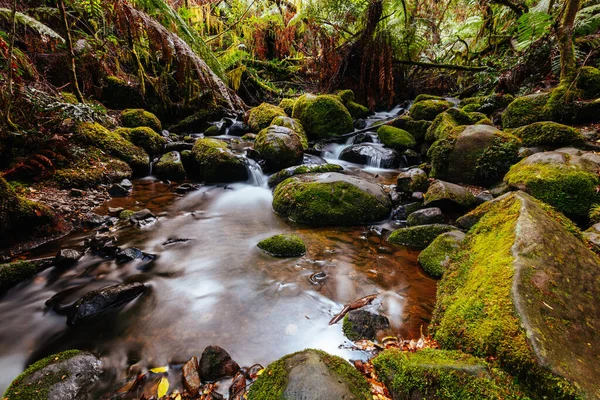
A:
(419, 236)
(322, 116)
(548, 134)
(283, 246)
(261, 117)
(136, 117)
(428, 109)
(397, 139)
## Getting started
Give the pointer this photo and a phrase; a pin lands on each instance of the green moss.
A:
(443, 125)
(284, 174)
(423, 97)
(548, 134)
(439, 154)
(144, 137)
(287, 105)
(486, 104)
(428, 109)
(396, 138)
(213, 162)
(249, 137)
(418, 129)
(295, 126)
(41, 389)
(283, 246)
(346, 95)
(170, 166)
(433, 257)
(524, 111)
(261, 117)
(134, 118)
(212, 130)
(570, 190)
(419, 236)
(323, 116)
(15, 273)
(115, 145)
(69, 97)
(589, 82)
(126, 214)
(497, 159)
(279, 146)
(595, 214)
(357, 110)
(443, 375)
(472, 107)
(90, 168)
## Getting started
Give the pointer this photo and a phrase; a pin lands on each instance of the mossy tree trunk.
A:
(71, 53)
(9, 66)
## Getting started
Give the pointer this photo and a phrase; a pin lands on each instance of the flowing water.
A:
(216, 287)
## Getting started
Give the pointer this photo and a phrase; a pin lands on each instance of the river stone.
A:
(426, 216)
(523, 289)
(282, 175)
(190, 376)
(435, 256)
(65, 376)
(322, 116)
(283, 246)
(99, 300)
(67, 257)
(143, 217)
(279, 146)
(413, 180)
(212, 162)
(419, 236)
(372, 155)
(170, 167)
(330, 199)
(449, 196)
(310, 375)
(215, 364)
(361, 324)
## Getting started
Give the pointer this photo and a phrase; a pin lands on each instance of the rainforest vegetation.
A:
(354, 199)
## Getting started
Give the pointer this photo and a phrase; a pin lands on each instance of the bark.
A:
(9, 66)
(71, 53)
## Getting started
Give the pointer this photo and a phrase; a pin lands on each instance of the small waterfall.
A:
(255, 173)
(376, 161)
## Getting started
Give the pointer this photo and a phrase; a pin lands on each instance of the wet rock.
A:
(364, 137)
(190, 376)
(99, 300)
(126, 183)
(434, 257)
(132, 253)
(449, 196)
(117, 190)
(143, 217)
(170, 166)
(253, 372)
(178, 146)
(279, 146)
(213, 162)
(65, 376)
(483, 197)
(216, 364)
(282, 175)
(310, 375)
(172, 241)
(283, 246)
(372, 155)
(413, 180)
(411, 157)
(102, 245)
(238, 129)
(361, 324)
(186, 188)
(419, 236)
(426, 216)
(94, 220)
(311, 159)
(360, 124)
(67, 257)
(322, 116)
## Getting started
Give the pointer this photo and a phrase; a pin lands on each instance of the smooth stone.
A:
(426, 216)
(67, 257)
(215, 364)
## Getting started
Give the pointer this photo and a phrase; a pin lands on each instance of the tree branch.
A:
(440, 66)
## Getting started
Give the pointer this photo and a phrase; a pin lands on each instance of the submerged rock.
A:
(372, 155)
(283, 246)
(434, 257)
(216, 364)
(310, 375)
(361, 324)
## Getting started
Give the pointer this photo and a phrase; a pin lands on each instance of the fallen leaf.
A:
(163, 387)
(159, 370)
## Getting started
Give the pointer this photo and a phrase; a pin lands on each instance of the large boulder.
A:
(287, 105)
(522, 290)
(396, 138)
(330, 199)
(279, 146)
(284, 174)
(449, 196)
(144, 137)
(295, 126)
(310, 375)
(136, 117)
(372, 155)
(322, 116)
(261, 117)
(525, 110)
(170, 166)
(64, 376)
(428, 109)
(479, 154)
(443, 125)
(435, 256)
(548, 133)
(213, 162)
(566, 179)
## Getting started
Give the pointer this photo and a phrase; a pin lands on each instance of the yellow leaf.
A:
(163, 387)
(259, 373)
(158, 370)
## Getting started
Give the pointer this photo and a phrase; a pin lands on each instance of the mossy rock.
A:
(428, 109)
(279, 146)
(417, 129)
(413, 180)
(261, 117)
(362, 324)
(134, 118)
(64, 376)
(443, 375)
(12, 274)
(213, 162)
(419, 236)
(487, 104)
(434, 257)
(548, 134)
(357, 110)
(144, 137)
(212, 130)
(90, 168)
(589, 82)
(508, 293)
(295, 126)
(125, 215)
(445, 123)
(525, 110)
(283, 246)
(310, 374)
(200, 120)
(397, 139)
(475, 154)
(284, 174)
(346, 95)
(331, 199)
(449, 196)
(118, 94)
(170, 166)
(323, 116)
(567, 180)
(287, 105)
(114, 144)
(423, 97)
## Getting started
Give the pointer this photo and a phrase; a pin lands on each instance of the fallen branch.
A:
(440, 66)
(353, 306)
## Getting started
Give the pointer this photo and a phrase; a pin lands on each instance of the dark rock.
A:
(426, 216)
(361, 324)
(186, 188)
(411, 157)
(311, 159)
(190, 376)
(282, 175)
(360, 124)
(372, 155)
(238, 129)
(99, 300)
(143, 217)
(77, 193)
(216, 363)
(132, 253)
(418, 196)
(93, 220)
(365, 137)
(102, 245)
(67, 257)
(483, 197)
(449, 196)
(413, 180)
(117, 190)
(179, 146)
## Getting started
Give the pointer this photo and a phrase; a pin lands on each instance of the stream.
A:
(211, 285)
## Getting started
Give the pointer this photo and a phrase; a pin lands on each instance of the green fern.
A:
(531, 27)
(588, 20)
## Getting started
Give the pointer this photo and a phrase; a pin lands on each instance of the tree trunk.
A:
(71, 53)
(9, 66)
(568, 66)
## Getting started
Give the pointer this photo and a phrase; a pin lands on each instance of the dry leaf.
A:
(163, 387)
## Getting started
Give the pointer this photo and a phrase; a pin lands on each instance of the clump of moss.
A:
(346, 95)
(595, 214)
(287, 105)
(444, 124)
(134, 118)
(397, 139)
(428, 109)
(125, 215)
(144, 137)
(589, 82)
(14, 273)
(90, 168)
(357, 110)
(170, 166)
(261, 117)
(284, 174)
(525, 110)
(432, 259)
(18, 390)
(443, 375)
(295, 126)
(323, 116)
(423, 97)
(548, 134)
(419, 236)
(213, 162)
(69, 97)
(486, 104)
(283, 246)
(212, 130)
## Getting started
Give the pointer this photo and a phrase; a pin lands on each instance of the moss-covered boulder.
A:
(261, 117)
(287, 105)
(428, 109)
(279, 146)
(509, 293)
(362, 324)
(12, 274)
(413, 180)
(283, 246)
(357, 110)
(589, 82)
(434, 257)
(423, 97)
(295, 126)
(445, 123)
(170, 166)
(284, 174)
(69, 375)
(419, 236)
(119, 94)
(144, 137)
(525, 110)
(322, 116)
(200, 120)
(213, 162)
(417, 129)
(346, 95)
(476, 154)
(115, 145)
(443, 375)
(396, 138)
(486, 104)
(310, 374)
(330, 199)
(134, 118)
(567, 179)
(449, 196)
(90, 168)
(548, 133)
